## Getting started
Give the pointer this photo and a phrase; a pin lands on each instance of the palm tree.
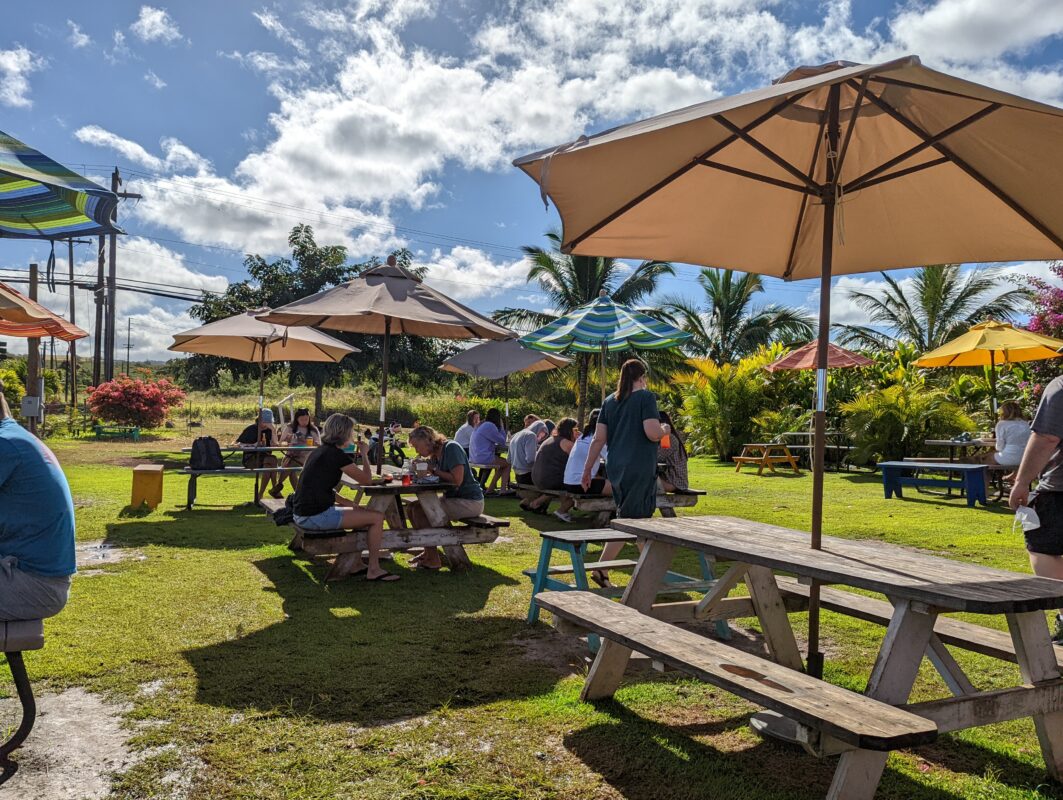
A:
(571, 281)
(727, 327)
(941, 304)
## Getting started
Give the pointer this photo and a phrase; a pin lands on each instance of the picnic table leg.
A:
(896, 668)
(457, 558)
(542, 572)
(192, 490)
(609, 665)
(1037, 662)
(771, 611)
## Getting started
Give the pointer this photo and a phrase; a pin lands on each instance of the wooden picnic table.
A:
(226, 471)
(953, 446)
(919, 586)
(766, 454)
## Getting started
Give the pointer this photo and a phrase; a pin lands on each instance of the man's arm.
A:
(1038, 452)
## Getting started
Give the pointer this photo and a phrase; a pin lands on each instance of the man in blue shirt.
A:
(36, 525)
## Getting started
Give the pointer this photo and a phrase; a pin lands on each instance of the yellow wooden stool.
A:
(147, 485)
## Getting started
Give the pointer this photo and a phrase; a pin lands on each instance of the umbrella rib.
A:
(757, 177)
(566, 247)
(852, 124)
(973, 173)
(937, 162)
(804, 202)
(767, 152)
(858, 183)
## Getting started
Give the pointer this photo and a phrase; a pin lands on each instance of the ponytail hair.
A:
(632, 370)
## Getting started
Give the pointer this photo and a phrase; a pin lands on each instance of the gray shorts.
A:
(24, 595)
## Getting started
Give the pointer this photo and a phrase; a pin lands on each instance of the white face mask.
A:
(1027, 518)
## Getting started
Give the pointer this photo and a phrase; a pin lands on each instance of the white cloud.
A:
(77, 38)
(95, 135)
(466, 273)
(272, 23)
(155, 25)
(154, 80)
(976, 30)
(15, 67)
(269, 64)
(119, 51)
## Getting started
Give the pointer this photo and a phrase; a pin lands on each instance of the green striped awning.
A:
(604, 324)
(42, 199)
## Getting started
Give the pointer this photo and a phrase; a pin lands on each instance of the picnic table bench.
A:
(233, 470)
(972, 480)
(603, 507)
(919, 588)
(117, 431)
(766, 454)
(348, 545)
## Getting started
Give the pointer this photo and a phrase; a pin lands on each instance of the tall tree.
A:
(941, 303)
(571, 281)
(726, 326)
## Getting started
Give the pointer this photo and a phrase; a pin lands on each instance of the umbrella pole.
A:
(814, 660)
(383, 397)
(605, 353)
(505, 389)
(993, 384)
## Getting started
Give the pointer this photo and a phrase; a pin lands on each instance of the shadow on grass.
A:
(371, 653)
(240, 528)
(639, 757)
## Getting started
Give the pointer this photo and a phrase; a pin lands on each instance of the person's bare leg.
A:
(1047, 566)
(354, 518)
(429, 557)
(503, 472)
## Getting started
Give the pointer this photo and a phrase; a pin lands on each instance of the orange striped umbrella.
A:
(805, 358)
(27, 319)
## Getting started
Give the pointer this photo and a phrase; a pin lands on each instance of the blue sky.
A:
(393, 123)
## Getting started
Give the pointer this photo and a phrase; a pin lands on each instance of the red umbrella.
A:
(27, 319)
(805, 358)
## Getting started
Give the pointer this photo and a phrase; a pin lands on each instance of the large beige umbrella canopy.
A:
(841, 168)
(988, 344)
(500, 359)
(388, 300)
(244, 337)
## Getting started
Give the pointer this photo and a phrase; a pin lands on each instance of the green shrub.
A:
(892, 423)
(13, 388)
(771, 424)
(719, 404)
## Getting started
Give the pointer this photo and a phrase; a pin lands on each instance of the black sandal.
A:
(601, 578)
(384, 577)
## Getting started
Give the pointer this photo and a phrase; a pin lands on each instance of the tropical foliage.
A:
(571, 281)
(720, 402)
(939, 303)
(726, 326)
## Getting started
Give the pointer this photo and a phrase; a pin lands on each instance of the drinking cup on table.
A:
(309, 441)
(407, 479)
(422, 468)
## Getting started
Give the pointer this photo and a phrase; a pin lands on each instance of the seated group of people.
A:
(300, 432)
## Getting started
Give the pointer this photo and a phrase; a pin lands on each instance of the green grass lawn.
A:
(274, 685)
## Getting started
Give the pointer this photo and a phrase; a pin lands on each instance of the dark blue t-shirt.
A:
(36, 510)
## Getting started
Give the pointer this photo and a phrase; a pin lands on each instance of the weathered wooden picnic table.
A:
(195, 474)
(829, 720)
(766, 454)
(958, 449)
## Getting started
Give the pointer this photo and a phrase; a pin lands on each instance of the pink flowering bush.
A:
(1047, 318)
(143, 403)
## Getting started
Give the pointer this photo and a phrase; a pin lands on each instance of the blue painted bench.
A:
(971, 478)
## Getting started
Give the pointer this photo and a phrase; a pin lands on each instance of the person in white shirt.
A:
(577, 460)
(1012, 433)
(463, 436)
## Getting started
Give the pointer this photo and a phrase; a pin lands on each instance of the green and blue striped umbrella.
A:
(603, 326)
(42, 199)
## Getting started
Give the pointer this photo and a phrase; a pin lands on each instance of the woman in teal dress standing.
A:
(631, 427)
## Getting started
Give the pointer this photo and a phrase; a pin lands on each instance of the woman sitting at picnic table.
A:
(463, 500)
(482, 450)
(300, 432)
(673, 460)
(577, 460)
(260, 434)
(1012, 432)
(318, 507)
(523, 447)
(548, 471)
(630, 425)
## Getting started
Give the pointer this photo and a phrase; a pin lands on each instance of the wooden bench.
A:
(348, 545)
(195, 474)
(603, 507)
(972, 478)
(766, 455)
(832, 711)
(117, 431)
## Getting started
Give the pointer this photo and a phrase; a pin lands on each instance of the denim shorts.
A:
(330, 519)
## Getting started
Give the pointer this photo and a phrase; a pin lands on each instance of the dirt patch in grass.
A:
(93, 554)
(76, 745)
(566, 655)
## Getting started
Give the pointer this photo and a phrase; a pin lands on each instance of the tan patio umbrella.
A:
(244, 337)
(840, 168)
(500, 359)
(988, 344)
(388, 300)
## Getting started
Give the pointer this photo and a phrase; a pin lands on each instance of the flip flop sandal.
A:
(425, 567)
(601, 579)
(384, 577)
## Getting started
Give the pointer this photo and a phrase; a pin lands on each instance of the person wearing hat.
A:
(260, 434)
(36, 525)
(301, 432)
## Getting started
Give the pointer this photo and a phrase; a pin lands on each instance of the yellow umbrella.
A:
(990, 343)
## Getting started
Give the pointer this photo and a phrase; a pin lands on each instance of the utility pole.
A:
(97, 337)
(128, 342)
(112, 284)
(33, 359)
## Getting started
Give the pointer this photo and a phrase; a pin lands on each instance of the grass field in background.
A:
(434, 688)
